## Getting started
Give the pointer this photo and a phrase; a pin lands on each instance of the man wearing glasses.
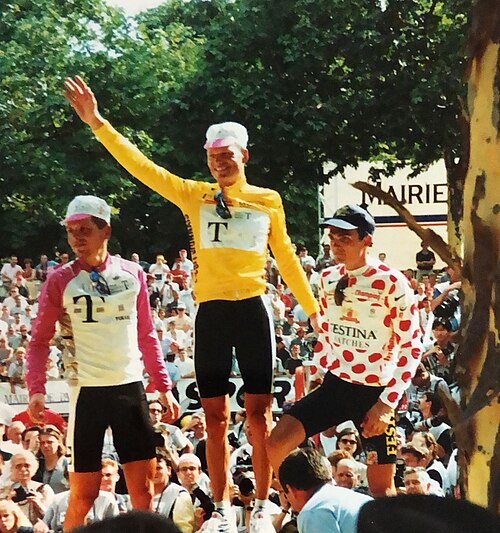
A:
(231, 224)
(102, 307)
(370, 347)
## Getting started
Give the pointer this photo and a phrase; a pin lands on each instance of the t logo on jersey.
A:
(217, 229)
(246, 230)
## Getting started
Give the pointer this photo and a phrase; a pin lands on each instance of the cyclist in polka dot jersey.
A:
(367, 354)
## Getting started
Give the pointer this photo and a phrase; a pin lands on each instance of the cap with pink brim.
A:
(86, 206)
(226, 134)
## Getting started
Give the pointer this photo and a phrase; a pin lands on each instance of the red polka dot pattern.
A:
(348, 356)
(358, 349)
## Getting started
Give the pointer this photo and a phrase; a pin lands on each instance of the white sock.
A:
(259, 503)
(222, 507)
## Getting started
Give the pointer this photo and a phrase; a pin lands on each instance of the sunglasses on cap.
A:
(99, 283)
(221, 207)
(340, 288)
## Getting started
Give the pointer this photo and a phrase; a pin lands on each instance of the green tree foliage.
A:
(314, 81)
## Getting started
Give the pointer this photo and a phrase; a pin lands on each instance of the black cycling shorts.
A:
(242, 325)
(337, 401)
(124, 408)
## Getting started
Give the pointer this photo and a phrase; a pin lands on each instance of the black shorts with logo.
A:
(124, 408)
(242, 325)
(337, 401)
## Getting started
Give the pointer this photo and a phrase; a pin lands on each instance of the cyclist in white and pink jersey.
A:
(101, 304)
(368, 351)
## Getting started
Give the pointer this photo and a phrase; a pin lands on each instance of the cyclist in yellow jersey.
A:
(231, 224)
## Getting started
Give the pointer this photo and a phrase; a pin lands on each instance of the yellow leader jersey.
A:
(228, 254)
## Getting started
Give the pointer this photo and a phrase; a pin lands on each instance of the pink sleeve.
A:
(50, 307)
(149, 345)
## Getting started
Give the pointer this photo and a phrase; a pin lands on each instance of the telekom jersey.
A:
(229, 255)
(105, 336)
(373, 337)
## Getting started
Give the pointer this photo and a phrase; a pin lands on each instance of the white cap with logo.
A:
(226, 134)
(85, 206)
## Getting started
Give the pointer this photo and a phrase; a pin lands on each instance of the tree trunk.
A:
(478, 358)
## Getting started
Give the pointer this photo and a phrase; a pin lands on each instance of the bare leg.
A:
(381, 480)
(259, 416)
(284, 438)
(217, 416)
(84, 490)
(139, 477)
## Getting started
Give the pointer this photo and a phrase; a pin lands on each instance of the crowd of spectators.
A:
(34, 477)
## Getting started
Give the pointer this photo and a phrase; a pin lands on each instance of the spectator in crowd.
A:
(43, 267)
(159, 269)
(415, 455)
(439, 358)
(325, 258)
(357, 386)
(110, 477)
(410, 276)
(15, 299)
(165, 343)
(305, 348)
(185, 263)
(104, 506)
(32, 497)
(154, 294)
(382, 256)
(423, 381)
(303, 254)
(271, 271)
(426, 260)
(197, 484)
(434, 466)
(106, 377)
(170, 499)
(186, 296)
(8, 272)
(15, 433)
(446, 303)
(290, 327)
(175, 442)
(183, 321)
(47, 417)
(306, 479)
(417, 481)
(294, 361)
(435, 420)
(347, 474)
(31, 439)
(178, 274)
(426, 318)
(17, 370)
(169, 292)
(185, 364)
(53, 464)
(196, 430)
(12, 519)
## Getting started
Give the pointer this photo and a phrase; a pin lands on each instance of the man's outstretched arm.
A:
(83, 101)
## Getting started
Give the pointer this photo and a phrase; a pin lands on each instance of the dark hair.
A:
(432, 514)
(304, 469)
(443, 322)
(163, 456)
(131, 522)
(351, 431)
(31, 428)
(157, 401)
(436, 402)
(99, 222)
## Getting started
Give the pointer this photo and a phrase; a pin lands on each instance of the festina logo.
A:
(354, 333)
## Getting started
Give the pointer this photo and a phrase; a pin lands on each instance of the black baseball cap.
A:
(351, 217)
